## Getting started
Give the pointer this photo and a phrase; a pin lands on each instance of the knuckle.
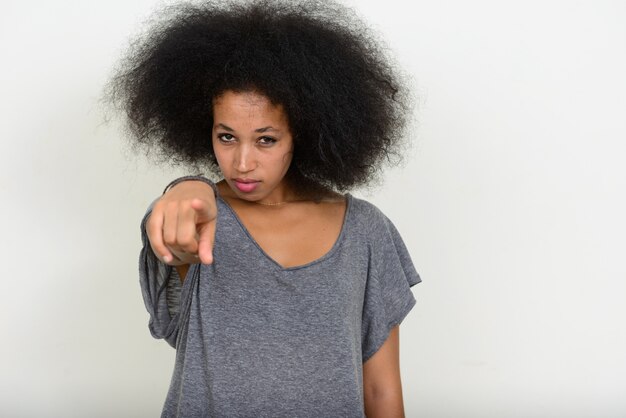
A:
(187, 240)
(169, 239)
(151, 222)
(158, 206)
(184, 243)
(171, 206)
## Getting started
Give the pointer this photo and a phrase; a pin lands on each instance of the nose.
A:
(245, 159)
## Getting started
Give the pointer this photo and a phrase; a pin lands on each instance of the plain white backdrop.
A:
(511, 203)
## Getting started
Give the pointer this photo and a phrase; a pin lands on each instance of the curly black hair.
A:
(347, 104)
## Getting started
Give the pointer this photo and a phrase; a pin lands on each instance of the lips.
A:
(246, 185)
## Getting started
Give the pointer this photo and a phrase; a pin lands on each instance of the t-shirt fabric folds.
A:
(255, 339)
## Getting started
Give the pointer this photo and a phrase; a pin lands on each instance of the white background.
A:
(511, 203)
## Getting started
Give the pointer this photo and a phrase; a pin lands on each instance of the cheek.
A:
(287, 155)
(221, 157)
(218, 151)
(284, 159)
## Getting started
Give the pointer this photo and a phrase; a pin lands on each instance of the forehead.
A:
(240, 107)
(248, 99)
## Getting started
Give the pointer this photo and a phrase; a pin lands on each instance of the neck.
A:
(284, 195)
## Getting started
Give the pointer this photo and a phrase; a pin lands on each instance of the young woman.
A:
(281, 292)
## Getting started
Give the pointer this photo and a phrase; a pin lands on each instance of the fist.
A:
(181, 227)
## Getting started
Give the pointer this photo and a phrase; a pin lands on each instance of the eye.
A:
(266, 140)
(225, 137)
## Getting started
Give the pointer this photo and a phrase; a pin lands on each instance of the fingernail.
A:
(167, 258)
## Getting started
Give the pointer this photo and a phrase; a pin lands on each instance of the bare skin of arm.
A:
(382, 387)
(182, 272)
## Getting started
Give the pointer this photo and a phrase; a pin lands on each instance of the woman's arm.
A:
(182, 272)
(382, 387)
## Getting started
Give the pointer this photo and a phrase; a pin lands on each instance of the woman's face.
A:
(252, 144)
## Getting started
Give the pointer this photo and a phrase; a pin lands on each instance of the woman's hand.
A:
(181, 227)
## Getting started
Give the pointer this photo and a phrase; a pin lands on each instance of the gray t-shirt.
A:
(254, 339)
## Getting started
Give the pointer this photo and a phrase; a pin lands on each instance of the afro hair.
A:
(346, 103)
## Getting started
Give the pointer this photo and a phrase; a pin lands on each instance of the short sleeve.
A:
(388, 297)
(164, 296)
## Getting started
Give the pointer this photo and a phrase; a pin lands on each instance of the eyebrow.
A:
(265, 129)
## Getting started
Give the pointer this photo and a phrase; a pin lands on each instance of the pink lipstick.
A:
(246, 185)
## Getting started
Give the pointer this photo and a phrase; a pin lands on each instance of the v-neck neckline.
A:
(328, 254)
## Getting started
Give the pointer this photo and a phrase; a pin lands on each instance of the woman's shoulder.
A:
(366, 208)
(368, 216)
